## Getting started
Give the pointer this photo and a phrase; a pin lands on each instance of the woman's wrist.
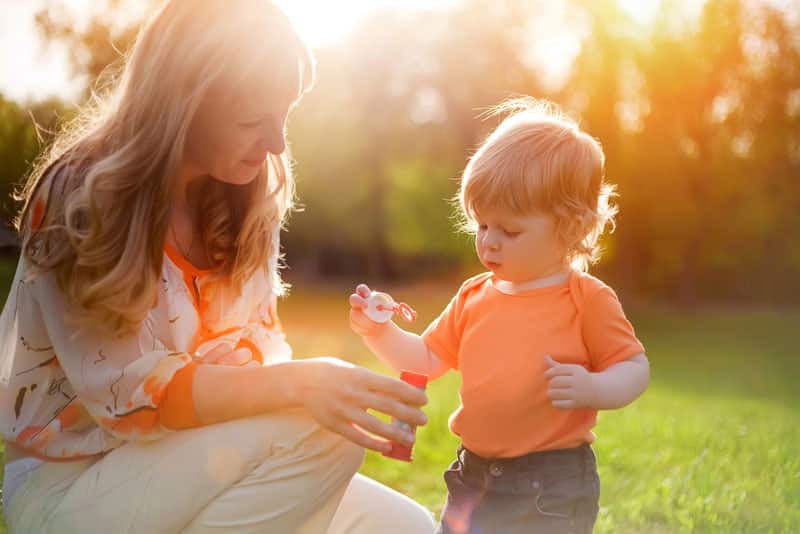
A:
(222, 392)
(295, 382)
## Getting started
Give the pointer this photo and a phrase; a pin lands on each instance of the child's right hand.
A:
(359, 322)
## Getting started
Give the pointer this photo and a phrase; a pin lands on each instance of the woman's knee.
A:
(368, 506)
(311, 443)
(342, 453)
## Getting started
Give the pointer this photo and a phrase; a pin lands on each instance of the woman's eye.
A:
(482, 227)
(250, 124)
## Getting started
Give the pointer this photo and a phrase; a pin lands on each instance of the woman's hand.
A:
(359, 322)
(224, 354)
(338, 395)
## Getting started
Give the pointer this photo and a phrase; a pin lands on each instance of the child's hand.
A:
(570, 385)
(359, 322)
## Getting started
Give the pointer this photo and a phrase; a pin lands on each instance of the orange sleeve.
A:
(443, 335)
(608, 334)
(176, 410)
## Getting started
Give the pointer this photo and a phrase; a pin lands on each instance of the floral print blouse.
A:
(67, 395)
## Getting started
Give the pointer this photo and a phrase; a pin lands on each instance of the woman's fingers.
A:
(394, 388)
(237, 357)
(389, 406)
(338, 394)
(359, 437)
(224, 354)
(370, 423)
(217, 352)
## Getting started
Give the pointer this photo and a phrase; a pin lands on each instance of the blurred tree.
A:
(97, 42)
(697, 110)
(23, 133)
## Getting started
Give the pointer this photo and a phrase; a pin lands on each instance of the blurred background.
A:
(697, 105)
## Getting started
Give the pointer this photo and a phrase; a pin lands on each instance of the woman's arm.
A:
(336, 393)
(141, 395)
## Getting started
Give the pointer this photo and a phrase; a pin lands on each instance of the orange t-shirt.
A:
(498, 343)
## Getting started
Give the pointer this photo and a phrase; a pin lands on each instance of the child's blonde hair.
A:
(539, 161)
(97, 202)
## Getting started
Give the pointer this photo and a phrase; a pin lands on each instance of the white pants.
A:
(280, 473)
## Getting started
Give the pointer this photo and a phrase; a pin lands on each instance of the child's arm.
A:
(572, 386)
(391, 344)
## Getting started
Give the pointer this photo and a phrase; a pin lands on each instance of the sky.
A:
(31, 70)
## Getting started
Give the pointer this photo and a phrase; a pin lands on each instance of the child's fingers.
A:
(360, 323)
(358, 316)
(560, 382)
(564, 404)
(560, 370)
(363, 290)
(356, 301)
(559, 394)
(549, 361)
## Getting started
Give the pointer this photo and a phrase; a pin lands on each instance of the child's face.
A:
(519, 248)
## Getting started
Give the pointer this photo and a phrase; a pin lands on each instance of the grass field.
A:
(713, 446)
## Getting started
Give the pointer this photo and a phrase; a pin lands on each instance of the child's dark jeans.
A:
(550, 492)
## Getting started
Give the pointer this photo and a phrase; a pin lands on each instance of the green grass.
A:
(712, 446)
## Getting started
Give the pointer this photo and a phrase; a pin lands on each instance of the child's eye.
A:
(482, 227)
(509, 233)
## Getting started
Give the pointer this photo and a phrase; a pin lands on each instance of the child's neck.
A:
(560, 276)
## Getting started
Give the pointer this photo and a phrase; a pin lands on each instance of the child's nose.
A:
(490, 241)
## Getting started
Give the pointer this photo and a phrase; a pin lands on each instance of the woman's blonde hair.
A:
(539, 161)
(96, 204)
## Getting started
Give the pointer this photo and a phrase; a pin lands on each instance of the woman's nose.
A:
(273, 138)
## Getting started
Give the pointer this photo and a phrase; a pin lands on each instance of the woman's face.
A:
(229, 138)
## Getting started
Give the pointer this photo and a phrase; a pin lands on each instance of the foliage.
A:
(698, 112)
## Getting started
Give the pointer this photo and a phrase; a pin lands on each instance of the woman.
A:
(146, 382)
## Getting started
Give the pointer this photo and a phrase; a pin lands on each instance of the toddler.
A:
(541, 345)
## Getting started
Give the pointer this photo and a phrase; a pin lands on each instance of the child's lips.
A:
(492, 264)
